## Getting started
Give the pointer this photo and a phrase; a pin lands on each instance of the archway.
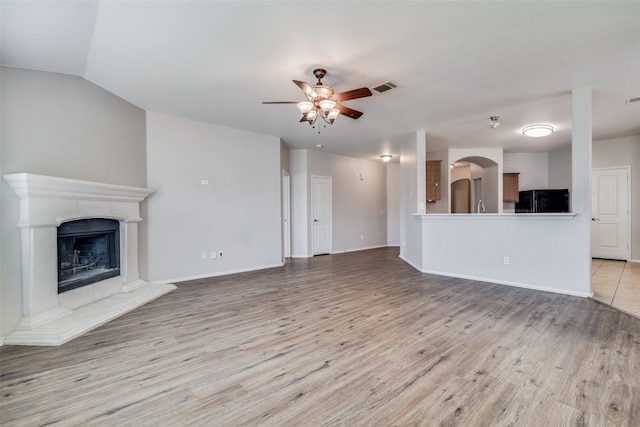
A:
(483, 177)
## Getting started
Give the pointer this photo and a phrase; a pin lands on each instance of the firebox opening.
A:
(88, 252)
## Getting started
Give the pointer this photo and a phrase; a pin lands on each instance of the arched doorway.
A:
(483, 178)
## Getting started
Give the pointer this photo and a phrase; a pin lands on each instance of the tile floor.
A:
(617, 283)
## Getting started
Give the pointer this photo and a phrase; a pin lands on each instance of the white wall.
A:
(560, 168)
(532, 167)
(393, 204)
(300, 230)
(472, 246)
(462, 171)
(624, 152)
(412, 201)
(61, 125)
(492, 180)
(238, 212)
(359, 206)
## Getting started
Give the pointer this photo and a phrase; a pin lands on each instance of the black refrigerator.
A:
(538, 201)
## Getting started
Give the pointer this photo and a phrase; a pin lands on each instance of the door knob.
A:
(595, 219)
(315, 220)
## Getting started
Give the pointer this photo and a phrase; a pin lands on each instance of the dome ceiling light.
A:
(537, 131)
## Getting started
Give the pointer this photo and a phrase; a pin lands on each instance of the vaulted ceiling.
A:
(455, 63)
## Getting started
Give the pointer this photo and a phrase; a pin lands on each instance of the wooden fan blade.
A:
(349, 112)
(351, 94)
(308, 90)
(280, 102)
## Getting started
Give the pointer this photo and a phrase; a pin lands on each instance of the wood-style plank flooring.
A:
(357, 339)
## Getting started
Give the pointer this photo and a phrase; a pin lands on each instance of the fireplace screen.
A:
(88, 252)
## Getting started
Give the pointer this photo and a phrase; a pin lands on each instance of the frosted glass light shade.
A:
(311, 116)
(537, 131)
(333, 114)
(326, 105)
(305, 107)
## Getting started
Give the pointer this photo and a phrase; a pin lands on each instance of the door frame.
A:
(286, 214)
(628, 195)
(313, 210)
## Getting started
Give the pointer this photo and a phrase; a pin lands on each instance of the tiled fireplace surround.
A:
(46, 202)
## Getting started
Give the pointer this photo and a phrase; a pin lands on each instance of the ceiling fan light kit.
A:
(494, 122)
(322, 101)
(386, 157)
(537, 130)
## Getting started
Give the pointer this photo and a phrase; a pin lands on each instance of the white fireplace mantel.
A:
(49, 318)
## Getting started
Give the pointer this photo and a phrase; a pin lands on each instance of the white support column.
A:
(581, 178)
(421, 171)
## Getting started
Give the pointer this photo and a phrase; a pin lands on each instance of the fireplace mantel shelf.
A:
(33, 186)
(72, 199)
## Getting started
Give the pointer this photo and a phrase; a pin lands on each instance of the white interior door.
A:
(321, 214)
(286, 214)
(610, 189)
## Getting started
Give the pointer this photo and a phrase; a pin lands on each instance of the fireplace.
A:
(79, 250)
(88, 252)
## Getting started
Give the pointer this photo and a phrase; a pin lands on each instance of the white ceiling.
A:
(456, 64)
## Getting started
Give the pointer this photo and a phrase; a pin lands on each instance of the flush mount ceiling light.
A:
(493, 122)
(386, 157)
(537, 131)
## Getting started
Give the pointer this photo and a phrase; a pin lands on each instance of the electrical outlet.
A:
(213, 255)
(203, 256)
(221, 254)
(362, 237)
(506, 260)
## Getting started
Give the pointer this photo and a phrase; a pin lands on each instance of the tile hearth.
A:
(87, 317)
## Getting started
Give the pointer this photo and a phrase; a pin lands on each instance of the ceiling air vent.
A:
(632, 100)
(385, 87)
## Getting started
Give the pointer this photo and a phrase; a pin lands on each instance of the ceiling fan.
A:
(323, 102)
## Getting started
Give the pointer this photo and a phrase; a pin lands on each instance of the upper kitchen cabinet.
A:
(510, 190)
(433, 180)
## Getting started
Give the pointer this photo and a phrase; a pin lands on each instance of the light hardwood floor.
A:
(355, 339)
(617, 283)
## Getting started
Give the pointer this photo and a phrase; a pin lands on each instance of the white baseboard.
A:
(301, 256)
(358, 249)
(409, 262)
(634, 260)
(217, 273)
(1, 340)
(513, 284)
